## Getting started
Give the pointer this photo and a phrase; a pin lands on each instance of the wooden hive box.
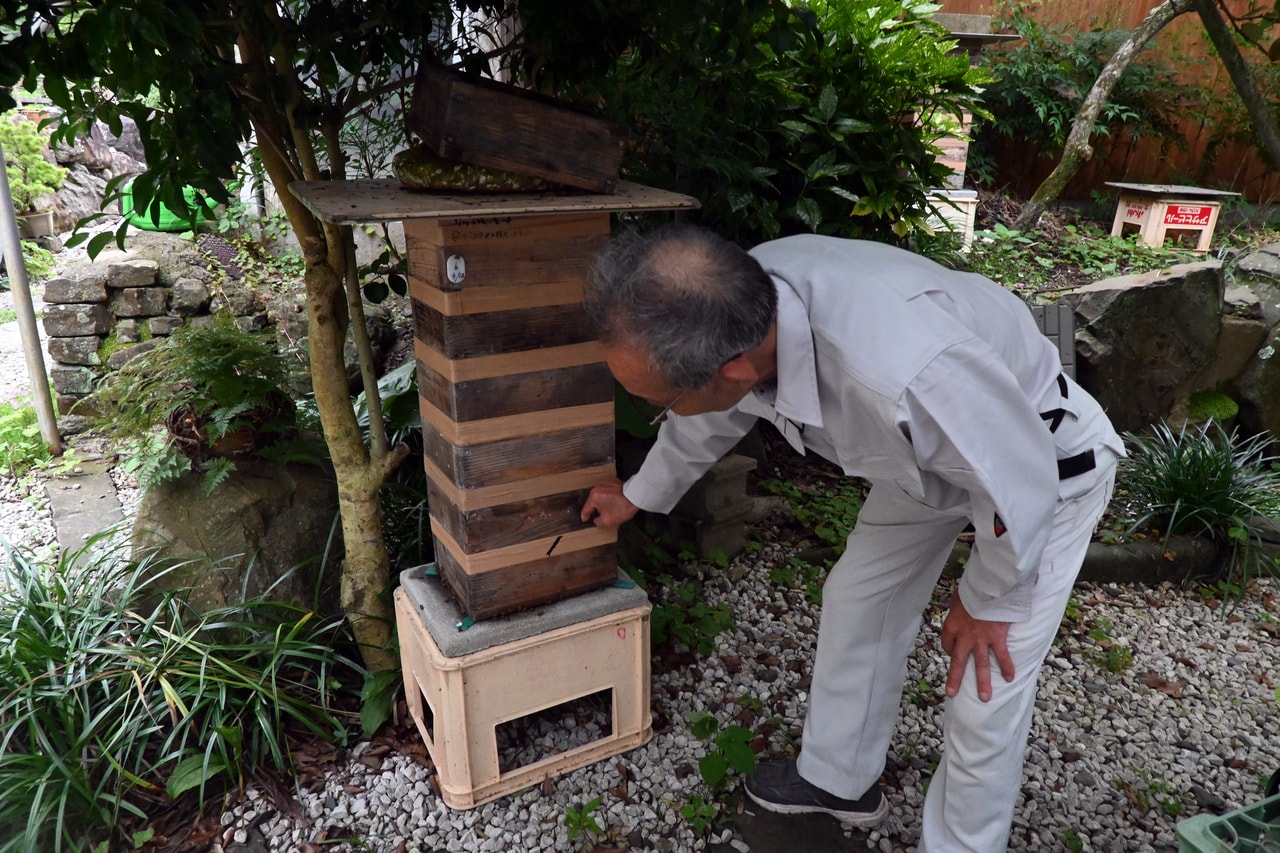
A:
(517, 406)
(486, 123)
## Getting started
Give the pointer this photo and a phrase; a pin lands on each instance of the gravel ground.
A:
(1156, 704)
(1117, 756)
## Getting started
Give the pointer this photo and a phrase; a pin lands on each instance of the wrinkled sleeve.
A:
(972, 425)
(685, 449)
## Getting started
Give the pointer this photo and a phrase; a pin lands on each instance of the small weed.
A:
(686, 618)
(1072, 841)
(1146, 792)
(700, 814)
(797, 573)
(1114, 656)
(581, 822)
(922, 694)
(730, 748)
(668, 571)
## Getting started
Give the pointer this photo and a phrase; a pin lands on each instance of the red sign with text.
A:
(1194, 215)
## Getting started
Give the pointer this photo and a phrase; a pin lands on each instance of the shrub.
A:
(781, 119)
(1203, 480)
(30, 174)
(1039, 85)
(209, 386)
(113, 703)
(21, 444)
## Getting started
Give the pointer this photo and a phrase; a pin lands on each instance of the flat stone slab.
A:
(83, 503)
(442, 618)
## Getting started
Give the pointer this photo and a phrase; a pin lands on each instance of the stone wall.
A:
(98, 319)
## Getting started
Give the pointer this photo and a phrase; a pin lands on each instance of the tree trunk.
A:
(287, 156)
(366, 570)
(1241, 77)
(1077, 149)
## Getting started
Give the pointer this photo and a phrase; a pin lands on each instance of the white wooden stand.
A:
(594, 643)
(1157, 210)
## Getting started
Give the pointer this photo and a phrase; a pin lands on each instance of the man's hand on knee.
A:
(963, 637)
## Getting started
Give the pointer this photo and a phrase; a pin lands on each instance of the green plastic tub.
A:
(1253, 829)
(168, 219)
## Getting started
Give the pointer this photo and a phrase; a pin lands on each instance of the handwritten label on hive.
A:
(1136, 211)
(1196, 215)
(455, 269)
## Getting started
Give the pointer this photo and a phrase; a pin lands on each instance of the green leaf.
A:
(1253, 31)
(192, 772)
(809, 212)
(703, 725)
(376, 291)
(827, 102)
(713, 768)
(377, 699)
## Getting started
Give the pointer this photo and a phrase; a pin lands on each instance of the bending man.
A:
(938, 388)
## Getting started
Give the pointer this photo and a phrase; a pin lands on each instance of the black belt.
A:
(1072, 466)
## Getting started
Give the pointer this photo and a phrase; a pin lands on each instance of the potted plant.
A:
(31, 175)
(201, 399)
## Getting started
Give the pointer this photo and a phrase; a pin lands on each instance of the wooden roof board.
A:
(362, 201)
(1171, 190)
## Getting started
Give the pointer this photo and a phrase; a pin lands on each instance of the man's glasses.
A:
(662, 416)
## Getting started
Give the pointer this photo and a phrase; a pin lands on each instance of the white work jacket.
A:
(914, 377)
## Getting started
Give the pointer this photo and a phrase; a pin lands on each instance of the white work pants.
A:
(872, 606)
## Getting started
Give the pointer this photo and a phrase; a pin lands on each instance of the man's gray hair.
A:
(689, 298)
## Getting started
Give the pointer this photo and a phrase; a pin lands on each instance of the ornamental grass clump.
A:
(114, 701)
(1205, 481)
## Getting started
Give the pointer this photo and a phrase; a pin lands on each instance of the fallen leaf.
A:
(1155, 682)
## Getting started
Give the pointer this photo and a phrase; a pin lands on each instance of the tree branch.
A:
(1241, 77)
(1077, 149)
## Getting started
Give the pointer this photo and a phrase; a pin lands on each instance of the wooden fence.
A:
(1202, 162)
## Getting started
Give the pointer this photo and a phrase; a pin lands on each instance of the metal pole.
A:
(27, 329)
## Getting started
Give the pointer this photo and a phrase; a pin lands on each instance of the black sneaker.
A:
(778, 787)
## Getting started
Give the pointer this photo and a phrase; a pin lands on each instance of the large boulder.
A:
(1144, 343)
(269, 526)
(1257, 387)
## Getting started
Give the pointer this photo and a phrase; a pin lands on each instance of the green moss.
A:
(1212, 405)
(110, 344)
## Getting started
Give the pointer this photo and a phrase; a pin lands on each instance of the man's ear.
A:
(739, 369)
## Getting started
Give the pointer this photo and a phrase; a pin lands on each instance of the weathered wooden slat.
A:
(382, 200)
(516, 587)
(521, 393)
(523, 552)
(506, 364)
(505, 493)
(499, 331)
(507, 524)
(533, 423)
(503, 251)
(481, 300)
(501, 126)
(521, 458)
